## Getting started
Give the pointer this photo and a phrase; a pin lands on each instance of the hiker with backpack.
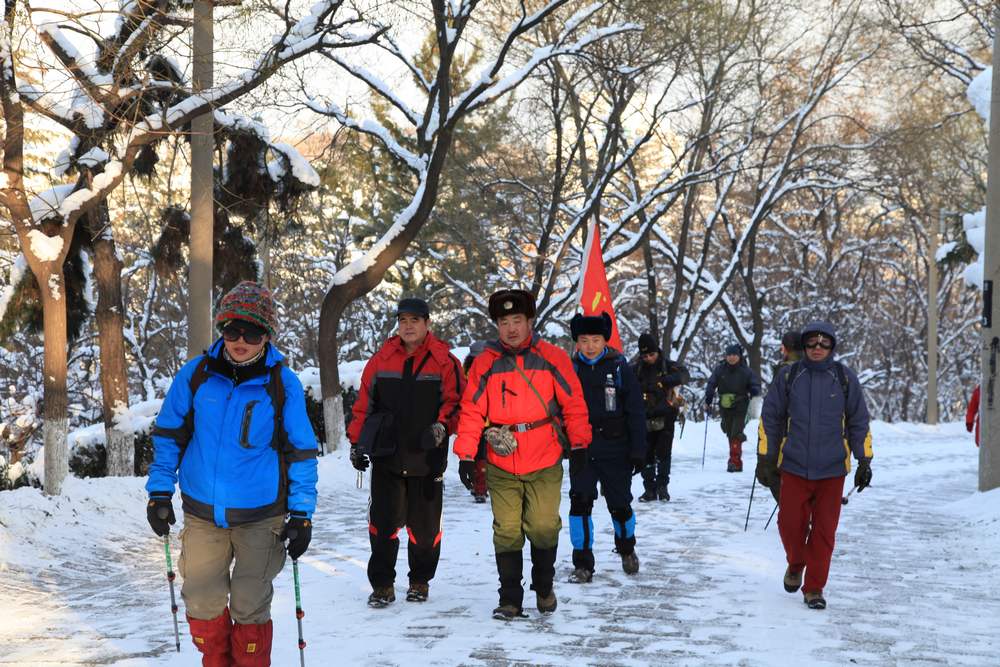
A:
(407, 407)
(525, 399)
(815, 417)
(737, 385)
(617, 450)
(233, 432)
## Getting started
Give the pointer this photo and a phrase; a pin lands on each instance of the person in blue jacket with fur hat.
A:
(618, 450)
(233, 432)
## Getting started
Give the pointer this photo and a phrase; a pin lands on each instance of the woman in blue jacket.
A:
(233, 432)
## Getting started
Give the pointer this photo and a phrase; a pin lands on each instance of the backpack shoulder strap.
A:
(842, 378)
(198, 378)
(792, 374)
(276, 392)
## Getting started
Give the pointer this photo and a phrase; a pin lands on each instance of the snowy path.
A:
(81, 578)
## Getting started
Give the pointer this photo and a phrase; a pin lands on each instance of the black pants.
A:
(659, 449)
(397, 501)
(733, 420)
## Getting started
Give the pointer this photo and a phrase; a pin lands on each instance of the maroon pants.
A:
(479, 478)
(808, 514)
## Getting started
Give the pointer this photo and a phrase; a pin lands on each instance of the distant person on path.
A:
(660, 379)
(617, 450)
(407, 406)
(736, 385)
(233, 430)
(815, 417)
(791, 351)
(972, 414)
(473, 473)
(522, 392)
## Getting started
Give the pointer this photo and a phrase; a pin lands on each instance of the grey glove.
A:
(439, 433)
(501, 440)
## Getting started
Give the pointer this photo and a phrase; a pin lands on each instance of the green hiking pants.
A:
(525, 506)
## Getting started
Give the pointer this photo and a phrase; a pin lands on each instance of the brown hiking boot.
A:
(417, 593)
(546, 603)
(814, 600)
(793, 579)
(508, 612)
(382, 596)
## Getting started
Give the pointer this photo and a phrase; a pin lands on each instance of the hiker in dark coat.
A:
(736, 384)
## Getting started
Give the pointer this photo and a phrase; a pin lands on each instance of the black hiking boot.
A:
(417, 593)
(648, 496)
(383, 596)
(581, 575)
(480, 499)
(793, 579)
(814, 600)
(662, 494)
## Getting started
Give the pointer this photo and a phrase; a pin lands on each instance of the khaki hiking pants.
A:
(207, 552)
(525, 506)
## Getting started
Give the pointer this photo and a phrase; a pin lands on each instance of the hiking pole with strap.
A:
(298, 612)
(772, 516)
(750, 504)
(704, 443)
(170, 578)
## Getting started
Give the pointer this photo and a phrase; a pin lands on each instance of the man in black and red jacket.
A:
(407, 407)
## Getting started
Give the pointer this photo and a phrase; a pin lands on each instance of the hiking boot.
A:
(581, 575)
(480, 499)
(382, 597)
(417, 593)
(647, 496)
(730, 467)
(793, 579)
(662, 494)
(738, 466)
(630, 563)
(508, 612)
(546, 603)
(814, 600)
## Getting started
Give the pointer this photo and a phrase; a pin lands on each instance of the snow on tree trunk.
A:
(329, 373)
(55, 424)
(110, 334)
(333, 418)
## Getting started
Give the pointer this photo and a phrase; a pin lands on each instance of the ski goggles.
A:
(231, 334)
(819, 342)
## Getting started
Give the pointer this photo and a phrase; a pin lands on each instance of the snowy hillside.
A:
(82, 580)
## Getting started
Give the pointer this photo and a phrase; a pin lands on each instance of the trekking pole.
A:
(170, 578)
(298, 612)
(704, 443)
(843, 501)
(772, 516)
(361, 479)
(750, 504)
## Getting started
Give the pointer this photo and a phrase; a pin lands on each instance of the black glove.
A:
(708, 407)
(863, 475)
(577, 460)
(358, 459)
(767, 472)
(637, 465)
(298, 531)
(160, 514)
(466, 471)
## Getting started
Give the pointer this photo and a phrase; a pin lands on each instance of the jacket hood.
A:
(819, 326)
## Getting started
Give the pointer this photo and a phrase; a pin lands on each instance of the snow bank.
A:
(979, 91)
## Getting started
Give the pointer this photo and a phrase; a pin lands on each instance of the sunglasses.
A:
(233, 334)
(821, 342)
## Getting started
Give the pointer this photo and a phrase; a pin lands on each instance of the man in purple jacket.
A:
(815, 418)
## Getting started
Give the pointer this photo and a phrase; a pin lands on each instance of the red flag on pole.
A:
(595, 297)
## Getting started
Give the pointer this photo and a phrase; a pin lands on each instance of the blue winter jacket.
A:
(811, 427)
(230, 473)
(619, 433)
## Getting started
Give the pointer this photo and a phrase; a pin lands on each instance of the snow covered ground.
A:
(913, 580)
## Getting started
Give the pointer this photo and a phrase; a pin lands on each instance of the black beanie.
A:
(647, 344)
(593, 325)
(735, 348)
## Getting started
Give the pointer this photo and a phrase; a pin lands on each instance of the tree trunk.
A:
(329, 370)
(55, 424)
(651, 312)
(110, 326)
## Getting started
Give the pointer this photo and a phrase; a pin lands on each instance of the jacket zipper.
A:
(245, 429)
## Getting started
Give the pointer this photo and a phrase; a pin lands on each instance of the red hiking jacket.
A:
(497, 394)
(419, 389)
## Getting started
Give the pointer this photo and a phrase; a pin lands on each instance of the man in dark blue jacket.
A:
(736, 384)
(815, 417)
(618, 450)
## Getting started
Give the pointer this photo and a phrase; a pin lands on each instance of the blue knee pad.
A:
(624, 522)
